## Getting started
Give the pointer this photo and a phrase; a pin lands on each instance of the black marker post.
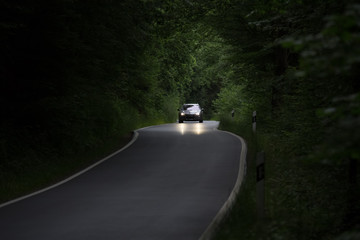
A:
(260, 185)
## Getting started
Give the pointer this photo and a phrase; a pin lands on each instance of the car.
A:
(190, 112)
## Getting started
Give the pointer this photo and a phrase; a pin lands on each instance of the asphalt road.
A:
(169, 184)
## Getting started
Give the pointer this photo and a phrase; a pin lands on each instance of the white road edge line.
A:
(135, 136)
(211, 229)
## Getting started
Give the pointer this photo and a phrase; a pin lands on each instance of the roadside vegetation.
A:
(297, 66)
(78, 76)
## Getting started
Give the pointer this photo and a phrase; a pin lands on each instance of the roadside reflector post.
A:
(254, 130)
(260, 185)
(232, 114)
(260, 174)
(254, 122)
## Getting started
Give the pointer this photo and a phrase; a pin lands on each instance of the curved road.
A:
(169, 184)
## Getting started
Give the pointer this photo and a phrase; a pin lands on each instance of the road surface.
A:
(169, 184)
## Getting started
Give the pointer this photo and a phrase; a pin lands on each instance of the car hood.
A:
(191, 111)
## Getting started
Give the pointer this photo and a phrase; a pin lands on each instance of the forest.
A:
(77, 77)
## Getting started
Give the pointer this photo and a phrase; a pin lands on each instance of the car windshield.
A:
(191, 107)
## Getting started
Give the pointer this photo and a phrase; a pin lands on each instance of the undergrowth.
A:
(304, 198)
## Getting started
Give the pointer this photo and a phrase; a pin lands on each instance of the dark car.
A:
(190, 112)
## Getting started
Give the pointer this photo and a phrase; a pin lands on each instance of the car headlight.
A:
(182, 114)
(197, 114)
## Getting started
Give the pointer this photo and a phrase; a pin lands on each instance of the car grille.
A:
(191, 116)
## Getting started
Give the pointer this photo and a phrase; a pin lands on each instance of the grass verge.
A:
(241, 218)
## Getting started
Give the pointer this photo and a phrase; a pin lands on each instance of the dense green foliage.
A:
(296, 64)
(75, 75)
